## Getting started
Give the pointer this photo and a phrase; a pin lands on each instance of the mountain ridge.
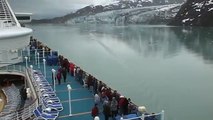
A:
(93, 10)
(195, 13)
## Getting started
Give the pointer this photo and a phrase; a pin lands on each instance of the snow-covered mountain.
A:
(195, 13)
(120, 12)
(142, 15)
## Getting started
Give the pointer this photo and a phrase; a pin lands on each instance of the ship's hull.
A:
(11, 46)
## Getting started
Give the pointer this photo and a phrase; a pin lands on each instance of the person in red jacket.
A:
(95, 111)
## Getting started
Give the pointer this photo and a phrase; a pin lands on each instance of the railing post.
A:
(26, 61)
(69, 88)
(96, 118)
(31, 70)
(36, 56)
(38, 60)
(53, 82)
(22, 54)
(143, 117)
(14, 67)
(44, 62)
(51, 52)
(20, 68)
(16, 115)
(162, 115)
(28, 52)
(43, 53)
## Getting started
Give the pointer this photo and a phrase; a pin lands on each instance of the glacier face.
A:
(141, 15)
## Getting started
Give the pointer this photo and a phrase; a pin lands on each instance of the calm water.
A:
(161, 67)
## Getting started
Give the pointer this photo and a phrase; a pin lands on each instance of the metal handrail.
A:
(144, 116)
(12, 68)
(141, 117)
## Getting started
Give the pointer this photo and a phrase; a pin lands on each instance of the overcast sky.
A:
(51, 8)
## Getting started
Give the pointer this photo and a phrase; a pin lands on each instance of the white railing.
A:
(22, 114)
(154, 116)
(8, 57)
(7, 17)
(12, 68)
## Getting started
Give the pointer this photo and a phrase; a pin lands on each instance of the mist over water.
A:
(161, 67)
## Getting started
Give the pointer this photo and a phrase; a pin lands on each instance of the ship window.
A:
(23, 17)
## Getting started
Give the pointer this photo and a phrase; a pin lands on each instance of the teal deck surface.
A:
(82, 100)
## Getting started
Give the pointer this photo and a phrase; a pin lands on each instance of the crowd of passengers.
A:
(109, 101)
(106, 100)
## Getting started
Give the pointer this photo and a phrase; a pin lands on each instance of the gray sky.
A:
(51, 8)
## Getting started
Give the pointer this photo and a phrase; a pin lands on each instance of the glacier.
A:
(140, 15)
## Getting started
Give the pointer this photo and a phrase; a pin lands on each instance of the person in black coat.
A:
(64, 73)
(106, 111)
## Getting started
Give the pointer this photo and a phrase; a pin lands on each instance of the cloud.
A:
(52, 8)
(47, 8)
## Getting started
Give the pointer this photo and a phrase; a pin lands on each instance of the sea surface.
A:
(160, 67)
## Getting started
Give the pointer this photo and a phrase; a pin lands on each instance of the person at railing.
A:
(108, 93)
(23, 94)
(66, 64)
(76, 73)
(100, 85)
(89, 81)
(95, 86)
(106, 110)
(64, 73)
(60, 60)
(59, 76)
(114, 108)
(123, 105)
(132, 109)
(95, 111)
(104, 97)
(116, 95)
(80, 76)
(97, 99)
(72, 67)
(84, 79)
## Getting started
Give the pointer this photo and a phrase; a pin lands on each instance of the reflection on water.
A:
(197, 40)
(160, 67)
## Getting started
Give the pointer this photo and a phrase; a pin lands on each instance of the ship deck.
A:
(82, 99)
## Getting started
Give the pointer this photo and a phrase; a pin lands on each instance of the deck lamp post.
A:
(51, 53)
(69, 88)
(44, 62)
(162, 115)
(31, 69)
(36, 56)
(53, 82)
(28, 52)
(26, 61)
(43, 52)
(38, 60)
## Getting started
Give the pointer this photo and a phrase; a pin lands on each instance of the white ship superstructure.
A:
(13, 37)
